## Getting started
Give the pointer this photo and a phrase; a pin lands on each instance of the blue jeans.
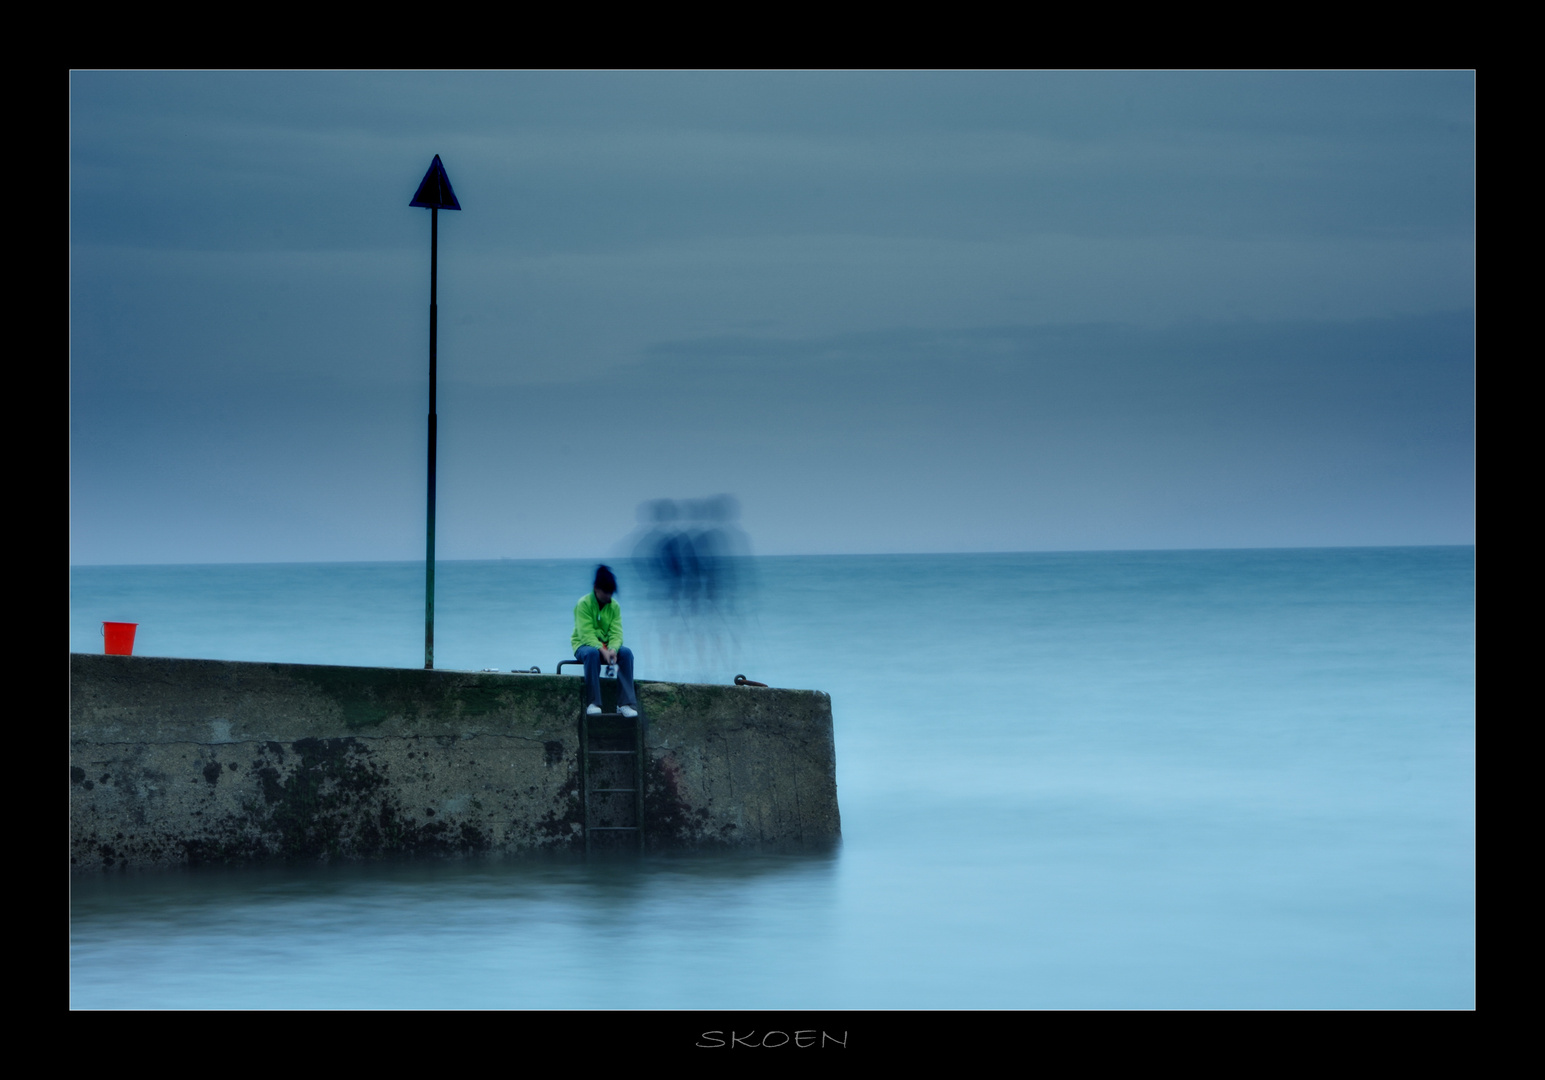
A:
(591, 657)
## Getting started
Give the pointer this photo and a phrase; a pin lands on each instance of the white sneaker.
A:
(592, 710)
(629, 711)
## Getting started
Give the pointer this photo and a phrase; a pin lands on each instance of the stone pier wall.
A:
(176, 762)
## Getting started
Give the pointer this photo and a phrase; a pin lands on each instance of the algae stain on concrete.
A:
(365, 697)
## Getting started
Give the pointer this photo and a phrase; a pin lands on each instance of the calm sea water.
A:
(1236, 779)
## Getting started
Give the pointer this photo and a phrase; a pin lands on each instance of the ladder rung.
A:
(604, 790)
(611, 751)
(614, 828)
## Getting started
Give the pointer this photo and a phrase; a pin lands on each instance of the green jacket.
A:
(595, 625)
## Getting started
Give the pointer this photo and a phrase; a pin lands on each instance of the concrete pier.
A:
(177, 762)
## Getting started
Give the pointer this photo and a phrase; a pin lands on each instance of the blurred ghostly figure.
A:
(693, 555)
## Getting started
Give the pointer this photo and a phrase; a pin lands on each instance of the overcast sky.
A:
(889, 312)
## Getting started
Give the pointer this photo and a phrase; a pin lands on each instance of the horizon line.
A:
(794, 555)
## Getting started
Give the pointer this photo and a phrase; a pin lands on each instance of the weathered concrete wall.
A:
(206, 761)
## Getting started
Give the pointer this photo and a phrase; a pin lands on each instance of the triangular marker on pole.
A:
(435, 192)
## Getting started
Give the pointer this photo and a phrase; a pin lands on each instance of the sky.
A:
(887, 311)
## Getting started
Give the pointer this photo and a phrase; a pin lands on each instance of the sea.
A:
(1235, 779)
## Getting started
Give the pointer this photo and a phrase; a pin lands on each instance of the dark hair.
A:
(605, 579)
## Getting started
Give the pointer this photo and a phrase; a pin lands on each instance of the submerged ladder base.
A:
(615, 728)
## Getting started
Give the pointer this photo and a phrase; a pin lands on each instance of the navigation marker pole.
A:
(435, 194)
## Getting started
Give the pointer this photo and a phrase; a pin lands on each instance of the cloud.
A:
(1006, 438)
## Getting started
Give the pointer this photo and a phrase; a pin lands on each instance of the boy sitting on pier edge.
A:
(598, 639)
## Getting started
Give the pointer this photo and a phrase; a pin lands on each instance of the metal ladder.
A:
(611, 768)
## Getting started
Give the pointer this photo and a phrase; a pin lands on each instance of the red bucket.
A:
(119, 637)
